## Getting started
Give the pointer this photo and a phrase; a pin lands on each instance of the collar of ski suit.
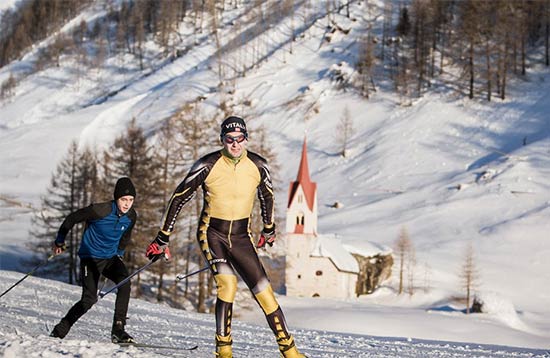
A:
(232, 159)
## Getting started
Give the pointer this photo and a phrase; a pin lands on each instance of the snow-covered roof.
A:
(331, 247)
(366, 248)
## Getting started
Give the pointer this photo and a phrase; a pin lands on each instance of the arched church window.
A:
(318, 273)
(300, 219)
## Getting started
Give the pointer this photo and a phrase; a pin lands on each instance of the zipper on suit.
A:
(232, 215)
(229, 233)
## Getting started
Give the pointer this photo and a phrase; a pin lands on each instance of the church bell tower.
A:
(301, 214)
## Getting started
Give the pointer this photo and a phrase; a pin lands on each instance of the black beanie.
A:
(233, 124)
(123, 187)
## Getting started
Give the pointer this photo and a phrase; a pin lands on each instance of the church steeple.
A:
(302, 200)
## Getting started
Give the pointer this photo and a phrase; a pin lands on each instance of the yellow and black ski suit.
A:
(229, 186)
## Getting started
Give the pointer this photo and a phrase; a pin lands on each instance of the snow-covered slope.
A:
(452, 171)
(28, 314)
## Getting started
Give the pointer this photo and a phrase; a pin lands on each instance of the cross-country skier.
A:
(230, 178)
(108, 231)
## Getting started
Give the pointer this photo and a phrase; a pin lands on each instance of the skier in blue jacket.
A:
(108, 231)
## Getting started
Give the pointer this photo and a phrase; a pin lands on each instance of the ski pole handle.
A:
(184, 276)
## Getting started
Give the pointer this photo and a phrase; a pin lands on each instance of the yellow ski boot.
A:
(223, 347)
(288, 348)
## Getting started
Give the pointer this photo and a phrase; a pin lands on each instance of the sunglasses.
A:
(229, 139)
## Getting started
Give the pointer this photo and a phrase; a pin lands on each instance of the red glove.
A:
(266, 237)
(158, 248)
(156, 251)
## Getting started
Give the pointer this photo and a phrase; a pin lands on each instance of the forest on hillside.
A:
(409, 43)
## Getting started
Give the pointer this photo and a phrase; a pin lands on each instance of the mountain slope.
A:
(451, 171)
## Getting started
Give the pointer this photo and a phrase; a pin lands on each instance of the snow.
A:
(452, 171)
(331, 247)
(8, 5)
(29, 312)
(365, 248)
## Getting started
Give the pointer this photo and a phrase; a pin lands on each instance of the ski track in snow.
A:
(30, 310)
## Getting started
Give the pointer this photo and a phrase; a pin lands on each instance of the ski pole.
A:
(181, 276)
(144, 267)
(29, 274)
(103, 280)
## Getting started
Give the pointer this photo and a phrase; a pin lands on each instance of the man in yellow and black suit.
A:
(230, 179)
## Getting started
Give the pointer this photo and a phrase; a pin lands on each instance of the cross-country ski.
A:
(157, 346)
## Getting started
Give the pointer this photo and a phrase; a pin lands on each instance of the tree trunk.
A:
(468, 299)
(523, 55)
(471, 68)
(433, 48)
(201, 304)
(160, 286)
(504, 70)
(489, 71)
(401, 268)
(547, 37)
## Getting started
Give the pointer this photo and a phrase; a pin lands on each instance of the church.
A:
(320, 265)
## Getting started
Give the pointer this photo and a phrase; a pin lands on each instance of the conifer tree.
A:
(260, 144)
(344, 131)
(169, 172)
(411, 270)
(195, 135)
(469, 274)
(402, 249)
(401, 56)
(365, 64)
(132, 156)
(71, 188)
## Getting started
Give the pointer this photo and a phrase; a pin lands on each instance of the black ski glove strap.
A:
(162, 239)
(269, 232)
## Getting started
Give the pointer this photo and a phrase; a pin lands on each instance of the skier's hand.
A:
(267, 236)
(155, 252)
(58, 248)
(158, 248)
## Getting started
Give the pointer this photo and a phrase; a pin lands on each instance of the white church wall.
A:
(307, 276)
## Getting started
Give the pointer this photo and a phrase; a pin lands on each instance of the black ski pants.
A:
(90, 271)
(228, 247)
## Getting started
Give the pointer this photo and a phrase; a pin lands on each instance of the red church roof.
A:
(304, 180)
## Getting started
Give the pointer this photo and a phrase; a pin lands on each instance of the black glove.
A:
(267, 237)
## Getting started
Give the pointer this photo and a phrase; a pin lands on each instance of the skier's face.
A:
(234, 143)
(124, 203)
